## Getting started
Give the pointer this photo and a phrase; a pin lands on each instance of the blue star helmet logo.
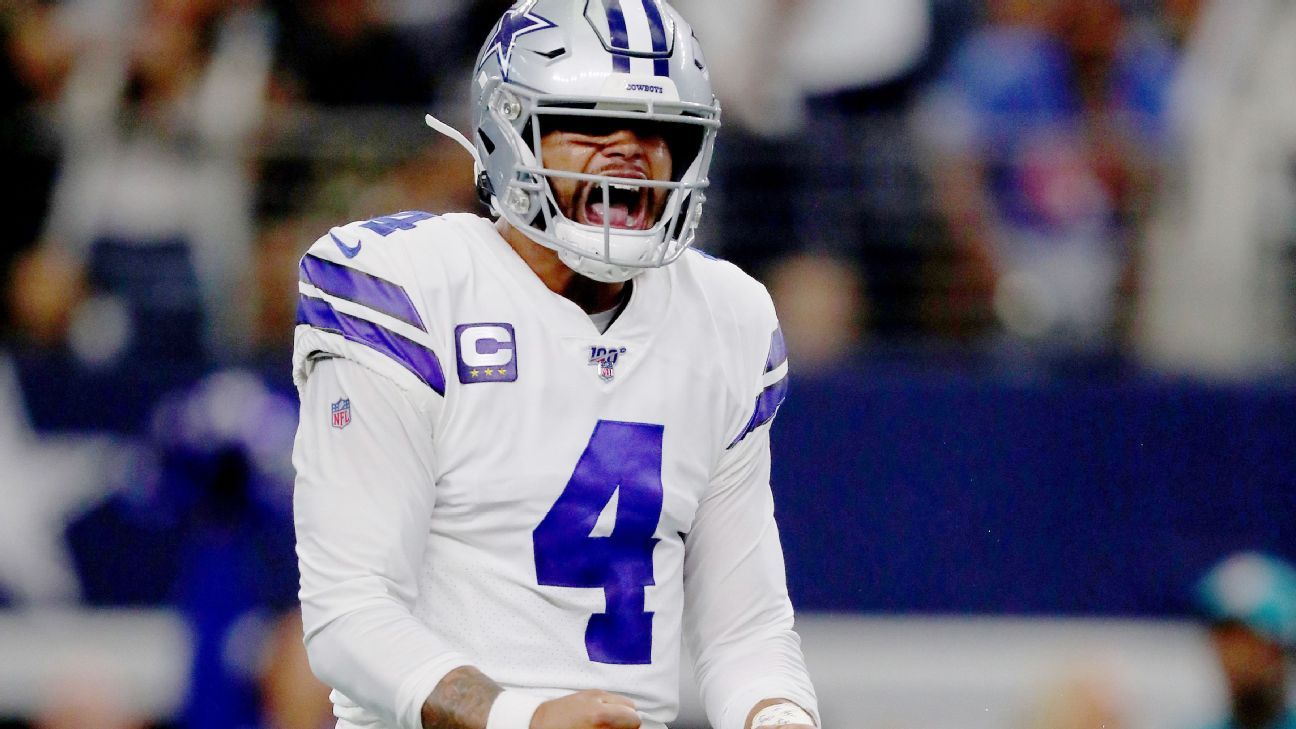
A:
(516, 23)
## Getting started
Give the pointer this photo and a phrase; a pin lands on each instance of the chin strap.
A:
(482, 181)
(454, 134)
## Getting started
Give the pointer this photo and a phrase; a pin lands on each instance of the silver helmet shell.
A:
(636, 60)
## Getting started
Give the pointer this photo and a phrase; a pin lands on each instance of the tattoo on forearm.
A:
(461, 701)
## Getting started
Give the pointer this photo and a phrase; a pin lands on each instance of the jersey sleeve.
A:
(363, 498)
(738, 617)
(366, 293)
(737, 614)
(770, 389)
(367, 364)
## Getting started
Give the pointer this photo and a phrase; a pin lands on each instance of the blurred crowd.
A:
(1049, 182)
(1101, 179)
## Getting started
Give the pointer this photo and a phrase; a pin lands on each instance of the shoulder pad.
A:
(361, 297)
(762, 355)
(353, 239)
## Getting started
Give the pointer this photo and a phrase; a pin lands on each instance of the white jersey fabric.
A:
(485, 479)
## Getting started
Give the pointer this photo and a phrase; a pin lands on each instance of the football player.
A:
(533, 456)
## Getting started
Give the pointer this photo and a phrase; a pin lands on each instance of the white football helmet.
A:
(590, 61)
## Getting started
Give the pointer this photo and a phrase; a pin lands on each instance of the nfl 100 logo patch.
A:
(605, 359)
(342, 413)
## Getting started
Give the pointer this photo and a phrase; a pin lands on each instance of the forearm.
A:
(736, 682)
(381, 659)
(737, 613)
(468, 699)
(361, 507)
(462, 700)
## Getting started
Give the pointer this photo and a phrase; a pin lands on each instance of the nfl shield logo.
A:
(342, 413)
(605, 358)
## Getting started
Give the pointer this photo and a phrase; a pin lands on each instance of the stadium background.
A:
(1036, 262)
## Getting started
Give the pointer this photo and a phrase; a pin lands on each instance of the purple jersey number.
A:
(389, 224)
(628, 457)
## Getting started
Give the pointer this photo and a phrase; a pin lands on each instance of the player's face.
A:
(615, 149)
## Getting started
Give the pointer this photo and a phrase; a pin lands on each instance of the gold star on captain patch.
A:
(489, 372)
(474, 373)
(503, 372)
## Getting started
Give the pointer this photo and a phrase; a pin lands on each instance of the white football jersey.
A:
(556, 490)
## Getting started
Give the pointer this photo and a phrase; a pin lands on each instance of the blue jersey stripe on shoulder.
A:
(361, 288)
(778, 351)
(411, 355)
(767, 405)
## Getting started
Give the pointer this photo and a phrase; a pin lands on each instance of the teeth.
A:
(623, 188)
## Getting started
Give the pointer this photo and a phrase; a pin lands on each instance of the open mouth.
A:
(625, 206)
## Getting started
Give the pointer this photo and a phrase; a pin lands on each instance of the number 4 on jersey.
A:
(623, 460)
(389, 224)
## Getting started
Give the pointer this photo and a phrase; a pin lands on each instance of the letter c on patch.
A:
(487, 353)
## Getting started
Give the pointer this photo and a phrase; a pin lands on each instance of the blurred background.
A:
(1035, 260)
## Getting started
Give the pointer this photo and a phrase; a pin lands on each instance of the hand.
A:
(587, 710)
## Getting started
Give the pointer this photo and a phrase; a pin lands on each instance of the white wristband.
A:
(513, 710)
(781, 715)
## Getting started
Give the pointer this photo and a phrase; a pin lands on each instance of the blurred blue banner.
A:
(939, 493)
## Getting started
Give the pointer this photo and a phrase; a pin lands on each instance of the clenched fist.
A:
(587, 710)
